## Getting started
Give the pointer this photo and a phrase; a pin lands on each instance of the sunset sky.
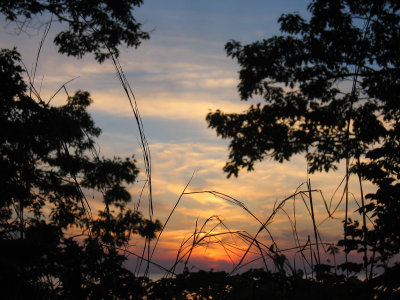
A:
(178, 76)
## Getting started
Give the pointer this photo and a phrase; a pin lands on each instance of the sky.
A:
(178, 76)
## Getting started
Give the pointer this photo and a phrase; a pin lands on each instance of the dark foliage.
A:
(94, 26)
(47, 159)
(302, 77)
(331, 88)
(260, 284)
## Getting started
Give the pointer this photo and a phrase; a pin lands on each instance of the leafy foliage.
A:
(302, 77)
(330, 87)
(260, 284)
(47, 159)
(95, 26)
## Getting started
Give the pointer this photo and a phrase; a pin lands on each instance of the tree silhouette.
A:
(96, 26)
(331, 89)
(52, 245)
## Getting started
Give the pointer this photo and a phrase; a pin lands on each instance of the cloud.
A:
(177, 79)
(260, 191)
(192, 107)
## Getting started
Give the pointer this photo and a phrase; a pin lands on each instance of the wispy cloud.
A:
(178, 76)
